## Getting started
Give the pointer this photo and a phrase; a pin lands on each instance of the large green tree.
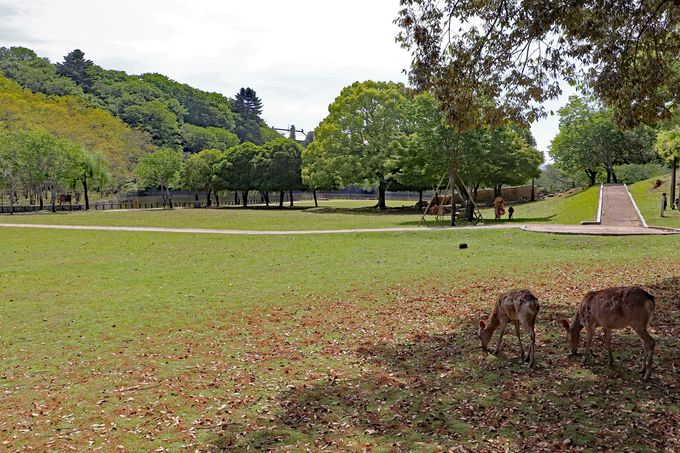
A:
(237, 169)
(362, 131)
(161, 169)
(589, 141)
(279, 167)
(75, 66)
(200, 173)
(488, 60)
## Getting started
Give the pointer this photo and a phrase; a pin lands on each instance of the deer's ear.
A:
(482, 324)
(565, 323)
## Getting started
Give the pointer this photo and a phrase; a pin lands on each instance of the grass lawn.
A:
(648, 200)
(335, 214)
(344, 342)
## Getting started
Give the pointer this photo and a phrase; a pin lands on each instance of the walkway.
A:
(617, 207)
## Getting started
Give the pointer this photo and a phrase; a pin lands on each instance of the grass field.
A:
(338, 214)
(142, 341)
(648, 200)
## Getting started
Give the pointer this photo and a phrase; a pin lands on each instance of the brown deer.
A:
(614, 308)
(518, 307)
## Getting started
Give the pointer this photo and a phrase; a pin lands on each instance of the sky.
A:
(297, 55)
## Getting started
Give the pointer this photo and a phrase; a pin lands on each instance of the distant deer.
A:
(518, 307)
(614, 308)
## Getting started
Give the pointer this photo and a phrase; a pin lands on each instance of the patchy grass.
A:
(648, 200)
(347, 342)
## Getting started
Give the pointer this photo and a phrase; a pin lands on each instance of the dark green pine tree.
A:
(248, 105)
(75, 68)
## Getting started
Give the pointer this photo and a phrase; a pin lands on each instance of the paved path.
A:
(559, 229)
(617, 207)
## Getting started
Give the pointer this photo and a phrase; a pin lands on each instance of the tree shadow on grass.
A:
(439, 391)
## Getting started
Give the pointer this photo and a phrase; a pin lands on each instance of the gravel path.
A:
(618, 209)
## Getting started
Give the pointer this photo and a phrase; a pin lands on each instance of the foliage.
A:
(279, 165)
(76, 67)
(488, 61)
(200, 172)
(197, 138)
(237, 169)
(70, 118)
(362, 133)
(589, 139)
(668, 143)
(248, 105)
(155, 118)
(160, 169)
(36, 74)
(632, 173)
(317, 170)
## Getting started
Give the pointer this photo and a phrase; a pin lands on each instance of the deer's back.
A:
(617, 307)
(514, 304)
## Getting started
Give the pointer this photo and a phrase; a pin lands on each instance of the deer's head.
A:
(484, 334)
(573, 336)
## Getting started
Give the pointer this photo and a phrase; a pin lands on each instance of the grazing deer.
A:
(518, 307)
(614, 308)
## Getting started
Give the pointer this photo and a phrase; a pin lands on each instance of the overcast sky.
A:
(297, 55)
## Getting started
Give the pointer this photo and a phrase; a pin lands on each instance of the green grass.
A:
(347, 341)
(648, 200)
(570, 208)
(336, 214)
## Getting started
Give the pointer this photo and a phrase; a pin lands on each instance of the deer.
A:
(613, 309)
(518, 307)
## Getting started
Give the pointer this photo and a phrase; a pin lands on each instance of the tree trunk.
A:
(674, 168)
(316, 204)
(208, 201)
(265, 195)
(167, 189)
(533, 190)
(614, 178)
(291, 197)
(592, 174)
(236, 200)
(87, 198)
(452, 184)
(609, 176)
(217, 198)
(420, 197)
(11, 201)
(497, 190)
(54, 198)
(382, 188)
(281, 199)
(42, 200)
(244, 194)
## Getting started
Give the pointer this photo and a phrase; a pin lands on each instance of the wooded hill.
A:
(173, 114)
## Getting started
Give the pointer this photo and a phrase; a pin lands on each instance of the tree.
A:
(11, 166)
(279, 166)
(155, 118)
(200, 173)
(318, 173)
(161, 169)
(248, 105)
(75, 67)
(361, 133)
(488, 61)
(196, 138)
(589, 140)
(668, 147)
(34, 73)
(88, 168)
(236, 170)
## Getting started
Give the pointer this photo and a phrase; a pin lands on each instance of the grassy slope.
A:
(136, 339)
(648, 200)
(330, 215)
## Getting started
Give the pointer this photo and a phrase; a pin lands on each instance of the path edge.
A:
(632, 200)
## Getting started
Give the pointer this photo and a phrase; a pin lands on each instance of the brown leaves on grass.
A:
(404, 372)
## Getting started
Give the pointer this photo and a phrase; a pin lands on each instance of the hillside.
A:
(648, 198)
(70, 117)
(175, 115)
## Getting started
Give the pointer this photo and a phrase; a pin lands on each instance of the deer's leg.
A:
(590, 332)
(608, 343)
(529, 327)
(519, 339)
(501, 329)
(648, 345)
